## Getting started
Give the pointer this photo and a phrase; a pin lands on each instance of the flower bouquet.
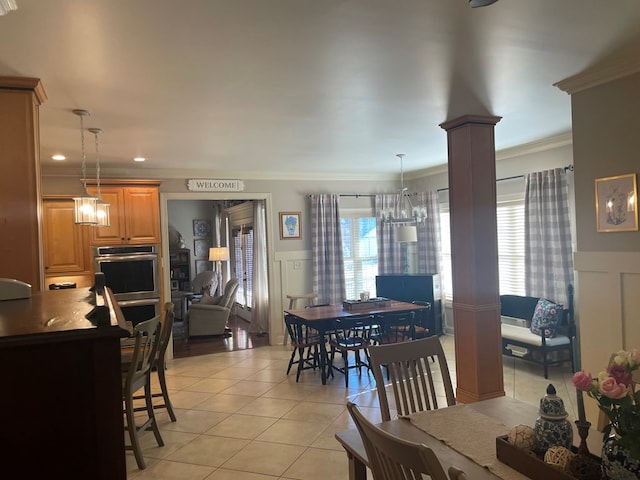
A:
(614, 390)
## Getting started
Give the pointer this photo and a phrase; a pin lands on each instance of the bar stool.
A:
(310, 298)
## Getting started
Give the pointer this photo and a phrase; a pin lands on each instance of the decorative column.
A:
(474, 252)
(20, 202)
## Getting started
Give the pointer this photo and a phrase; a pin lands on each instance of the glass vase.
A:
(617, 461)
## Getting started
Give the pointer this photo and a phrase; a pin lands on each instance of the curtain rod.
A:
(369, 195)
(567, 168)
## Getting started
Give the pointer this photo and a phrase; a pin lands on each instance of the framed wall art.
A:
(201, 247)
(201, 228)
(203, 266)
(290, 227)
(617, 204)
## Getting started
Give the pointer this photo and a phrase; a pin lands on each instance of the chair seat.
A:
(349, 343)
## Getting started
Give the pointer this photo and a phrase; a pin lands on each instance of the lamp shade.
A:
(85, 210)
(407, 233)
(219, 254)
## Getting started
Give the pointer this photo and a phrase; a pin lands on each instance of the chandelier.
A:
(84, 205)
(102, 207)
(406, 216)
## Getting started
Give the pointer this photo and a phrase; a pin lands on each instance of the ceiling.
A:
(301, 87)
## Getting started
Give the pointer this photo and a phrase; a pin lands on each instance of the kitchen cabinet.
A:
(407, 288)
(134, 213)
(65, 244)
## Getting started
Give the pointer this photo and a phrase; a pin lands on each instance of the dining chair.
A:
(137, 376)
(394, 327)
(305, 341)
(350, 334)
(160, 364)
(420, 329)
(392, 458)
(414, 369)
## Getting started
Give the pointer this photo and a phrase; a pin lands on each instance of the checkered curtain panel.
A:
(326, 249)
(390, 258)
(260, 281)
(429, 245)
(548, 255)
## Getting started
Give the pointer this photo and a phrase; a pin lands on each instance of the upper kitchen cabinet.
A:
(65, 243)
(134, 212)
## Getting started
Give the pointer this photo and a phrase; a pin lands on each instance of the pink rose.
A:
(612, 389)
(582, 380)
(620, 374)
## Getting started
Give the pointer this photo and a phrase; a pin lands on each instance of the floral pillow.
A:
(546, 318)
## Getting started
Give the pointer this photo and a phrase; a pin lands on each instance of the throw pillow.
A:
(546, 318)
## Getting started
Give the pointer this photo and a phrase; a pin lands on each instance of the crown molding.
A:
(173, 173)
(618, 66)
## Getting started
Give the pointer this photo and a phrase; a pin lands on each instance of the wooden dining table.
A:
(322, 318)
(502, 411)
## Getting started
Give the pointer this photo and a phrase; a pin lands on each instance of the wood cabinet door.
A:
(115, 233)
(142, 215)
(65, 249)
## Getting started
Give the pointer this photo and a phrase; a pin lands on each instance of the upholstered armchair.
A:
(209, 316)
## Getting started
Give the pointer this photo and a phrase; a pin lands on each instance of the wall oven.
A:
(131, 271)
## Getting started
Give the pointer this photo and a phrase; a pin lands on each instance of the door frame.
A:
(164, 227)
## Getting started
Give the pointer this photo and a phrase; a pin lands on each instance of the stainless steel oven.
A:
(131, 271)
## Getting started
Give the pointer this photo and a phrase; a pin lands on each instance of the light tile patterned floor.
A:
(240, 417)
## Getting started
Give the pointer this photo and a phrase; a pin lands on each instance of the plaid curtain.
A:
(390, 253)
(548, 255)
(429, 243)
(326, 249)
(260, 281)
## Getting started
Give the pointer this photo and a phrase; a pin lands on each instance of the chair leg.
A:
(133, 432)
(165, 392)
(345, 357)
(293, 355)
(151, 413)
(300, 363)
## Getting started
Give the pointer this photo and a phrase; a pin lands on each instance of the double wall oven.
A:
(131, 271)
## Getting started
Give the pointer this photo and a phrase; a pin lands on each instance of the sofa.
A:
(538, 330)
(209, 316)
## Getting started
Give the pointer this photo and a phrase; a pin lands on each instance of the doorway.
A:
(180, 211)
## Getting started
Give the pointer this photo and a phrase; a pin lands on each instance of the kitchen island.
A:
(61, 399)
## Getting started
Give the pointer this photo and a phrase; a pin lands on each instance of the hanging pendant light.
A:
(102, 207)
(85, 205)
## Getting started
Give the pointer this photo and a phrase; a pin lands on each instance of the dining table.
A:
(463, 435)
(322, 318)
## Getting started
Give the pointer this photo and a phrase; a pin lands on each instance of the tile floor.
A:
(240, 417)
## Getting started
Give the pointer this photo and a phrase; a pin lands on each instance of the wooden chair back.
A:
(413, 368)
(392, 458)
(395, 328)
(144, 353)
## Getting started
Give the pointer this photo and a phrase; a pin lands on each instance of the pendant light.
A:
(102, 207)
(85, 205)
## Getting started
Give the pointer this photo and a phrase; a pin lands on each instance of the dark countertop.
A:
(57, 315)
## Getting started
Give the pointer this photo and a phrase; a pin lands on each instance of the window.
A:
(243, 264)
(360, 254)
(510, 218)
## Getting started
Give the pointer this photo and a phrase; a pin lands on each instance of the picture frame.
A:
(201, 228)
(175, 285)
(617, 203)
(203, 266)
(290, 226)
(201, 247)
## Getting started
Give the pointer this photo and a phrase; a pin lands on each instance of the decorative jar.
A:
(552, 427)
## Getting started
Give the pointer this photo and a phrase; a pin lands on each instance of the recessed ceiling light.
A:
(139, 159)
(58, 156)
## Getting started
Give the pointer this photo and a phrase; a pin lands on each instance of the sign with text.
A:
(214, 185)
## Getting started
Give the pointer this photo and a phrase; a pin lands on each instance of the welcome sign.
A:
(214, 185)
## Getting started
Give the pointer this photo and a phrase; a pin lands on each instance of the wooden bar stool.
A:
(310, 298)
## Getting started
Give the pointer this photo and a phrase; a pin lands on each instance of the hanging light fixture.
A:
(102, 207)
(85, 205)
(405, 216)
(7, 6)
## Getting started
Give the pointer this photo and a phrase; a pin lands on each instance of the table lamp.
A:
(218, 255)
